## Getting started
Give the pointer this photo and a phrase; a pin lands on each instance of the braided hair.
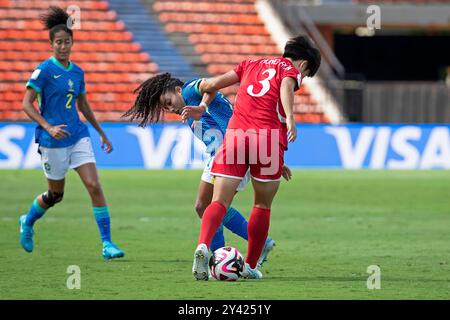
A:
(147, 108)
(55, 20)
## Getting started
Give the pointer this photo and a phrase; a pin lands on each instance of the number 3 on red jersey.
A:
(265, 84)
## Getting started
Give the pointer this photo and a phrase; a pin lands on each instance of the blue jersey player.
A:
(163, 93)
(58, 86)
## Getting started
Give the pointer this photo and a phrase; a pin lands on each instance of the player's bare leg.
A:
(89, 176)
(204, 197)
(224, 190)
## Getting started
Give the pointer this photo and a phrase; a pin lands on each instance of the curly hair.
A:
(146, 108)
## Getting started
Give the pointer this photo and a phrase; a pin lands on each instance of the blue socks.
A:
(101, 215)
(218, 241)
(35, 213)
(235, 222)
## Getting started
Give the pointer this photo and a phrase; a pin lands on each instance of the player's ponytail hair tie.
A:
(55, 20)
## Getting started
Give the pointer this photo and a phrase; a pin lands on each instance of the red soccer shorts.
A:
(257, 149)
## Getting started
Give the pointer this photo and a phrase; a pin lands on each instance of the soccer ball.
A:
(226, 264)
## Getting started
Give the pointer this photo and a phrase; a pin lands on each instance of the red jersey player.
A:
(256, 138)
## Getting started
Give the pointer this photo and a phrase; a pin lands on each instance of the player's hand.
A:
(286, 173)
(291, 129)
(58, 132)
(106, 144)
(192, 112)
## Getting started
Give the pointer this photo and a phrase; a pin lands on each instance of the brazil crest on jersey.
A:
(212, 125)
(57, 89)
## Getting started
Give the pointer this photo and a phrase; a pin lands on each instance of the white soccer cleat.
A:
(249, 273)
(268, 246)
(200, 267)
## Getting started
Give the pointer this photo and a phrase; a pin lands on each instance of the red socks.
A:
(211, 220)
(258, 229)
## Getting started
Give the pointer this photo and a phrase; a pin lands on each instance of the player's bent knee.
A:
(262, 202)
(94, 186)
(51, 198)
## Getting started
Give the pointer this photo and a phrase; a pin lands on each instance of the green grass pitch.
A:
(329, 227)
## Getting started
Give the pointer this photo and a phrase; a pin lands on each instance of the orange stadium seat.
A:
(12, 115)
(20, 14)
(215, 28)
(11, 86)
(113, 63)
(103, 46)
(10, 96)
(205, 7)
(220, 68)
(36, 25)
(38, 4)
(80, 57)
(114, 87)
(225, 32)
(262, 50)
(226, 58)
(206, 18)
(229, 38)
(11, 105)
(82, 35)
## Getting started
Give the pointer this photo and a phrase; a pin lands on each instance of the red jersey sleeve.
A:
(293, 73)
(240, 68)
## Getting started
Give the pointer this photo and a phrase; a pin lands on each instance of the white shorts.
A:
(57, 161)
(207, 177)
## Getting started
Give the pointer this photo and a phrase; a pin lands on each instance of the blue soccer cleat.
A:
(111, 251)
(268, 246)
(26, 234)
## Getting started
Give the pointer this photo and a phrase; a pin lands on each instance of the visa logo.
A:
(405, 147)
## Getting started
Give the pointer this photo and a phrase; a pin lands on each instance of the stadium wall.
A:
(173, 146)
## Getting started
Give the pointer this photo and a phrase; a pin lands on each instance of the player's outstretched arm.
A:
(208, 88)
(212, 85)
(85, 109)
(287, 100)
